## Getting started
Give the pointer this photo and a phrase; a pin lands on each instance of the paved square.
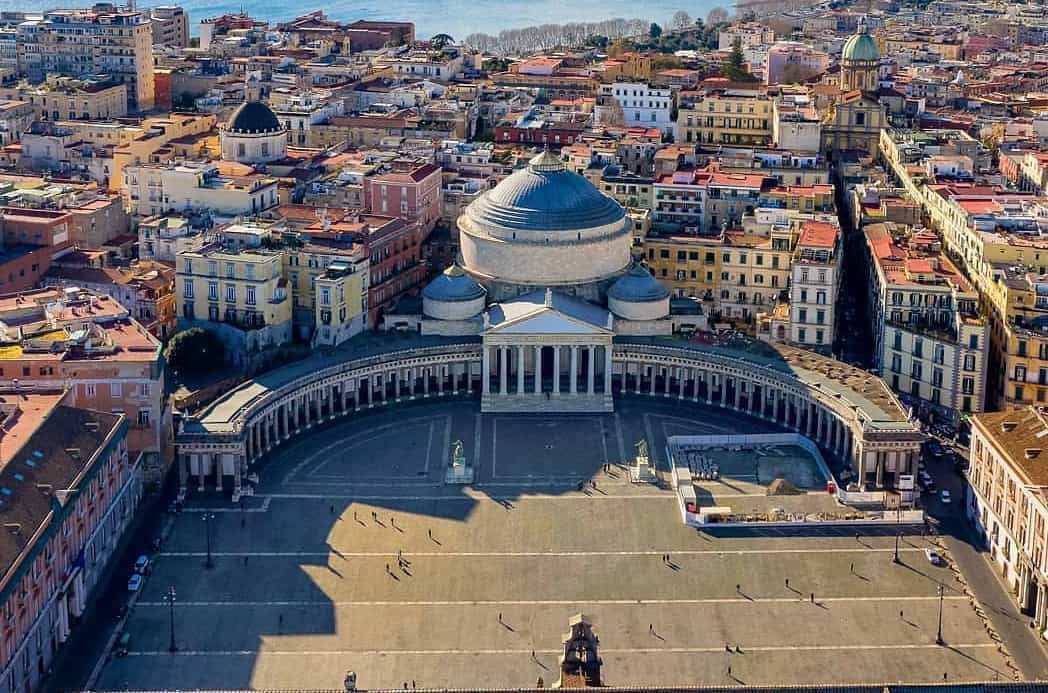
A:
(306, 583)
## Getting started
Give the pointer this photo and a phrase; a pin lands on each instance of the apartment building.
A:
(636, 104)
(724, 113)
(410, 190)
(170, 26)
(70, 490)
(104, 39)
(1007, 485)
(737, 274)
(70, 98)
(814, 282)
(15, 118)
(679, 204)
(89, 342)
(239, 292)
(930, 342)
(327, 267)
(145, 289)
(154, 189)
(1001, 240)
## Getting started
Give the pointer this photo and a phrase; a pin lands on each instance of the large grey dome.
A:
(545, 196)
(453, 285)
(254, 117)
(638, 286)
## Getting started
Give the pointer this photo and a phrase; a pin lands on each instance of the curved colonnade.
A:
(865, 427)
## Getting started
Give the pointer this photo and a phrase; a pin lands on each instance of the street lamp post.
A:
(170, 599)
(208, 517)
(938, 636)
(895, 559)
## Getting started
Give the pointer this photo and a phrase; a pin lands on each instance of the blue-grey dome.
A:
(638, 286)
(453, 285)
(545, 196)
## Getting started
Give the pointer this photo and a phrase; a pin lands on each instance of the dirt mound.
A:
(782, 487)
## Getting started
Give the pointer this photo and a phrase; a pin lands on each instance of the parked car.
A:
(944, 496)
(134, 583)
(142, 564)
(933, 557)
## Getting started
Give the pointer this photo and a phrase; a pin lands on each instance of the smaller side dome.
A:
(638, 295)
(453, 295)
(638, 286)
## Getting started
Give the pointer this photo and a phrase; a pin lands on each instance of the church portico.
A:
(547, 352)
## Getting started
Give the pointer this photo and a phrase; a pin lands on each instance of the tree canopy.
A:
(195, 350)
(654, 31)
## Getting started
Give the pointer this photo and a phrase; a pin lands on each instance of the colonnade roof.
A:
(219, 415)
(856, 387)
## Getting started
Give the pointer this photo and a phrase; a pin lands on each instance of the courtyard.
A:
(306, 582)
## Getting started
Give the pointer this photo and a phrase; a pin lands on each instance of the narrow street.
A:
(1022, 642)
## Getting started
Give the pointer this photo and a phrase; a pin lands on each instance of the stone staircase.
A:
(547, 403)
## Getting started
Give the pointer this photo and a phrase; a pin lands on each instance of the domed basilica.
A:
(546, 278)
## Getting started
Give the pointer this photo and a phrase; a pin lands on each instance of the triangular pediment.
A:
(546, 321)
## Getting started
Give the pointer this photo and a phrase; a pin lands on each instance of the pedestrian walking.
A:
(280, 619)
(851, 569)
(901, 618)
(729, 670)
(400, 557)
(787, 583)
(332, 509)
(387, 567)
(533, 654)
(651, 628)
(243, 521)
(738, 588)
(355, 516)
(500, 617)
(374, 515)
(392, 521)
(245, 560)
(812, 597)
(430, 533)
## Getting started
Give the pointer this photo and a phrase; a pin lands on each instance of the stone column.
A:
(709, 387)
(441, 377)
(607, 369)
(538, 369)
(218, 472)
(203, 460)
(640, 376)
(654, 376)
(485, 384)
(668, 382)
(503, 370)
(331, 401)
(573, 386)
(520, 370)
(238, 465)
(183, 471)
(556, 369)
(589, 371)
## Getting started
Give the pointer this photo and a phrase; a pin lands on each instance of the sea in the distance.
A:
(459, 18)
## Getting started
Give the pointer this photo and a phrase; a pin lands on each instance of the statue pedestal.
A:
(641, 471)
(458, 472)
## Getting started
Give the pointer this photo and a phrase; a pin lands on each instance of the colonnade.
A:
(536, 375)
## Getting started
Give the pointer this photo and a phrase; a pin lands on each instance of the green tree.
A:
(195, 350)
(654, 31)
(441, 40)
(735, 69)
(597, 41)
